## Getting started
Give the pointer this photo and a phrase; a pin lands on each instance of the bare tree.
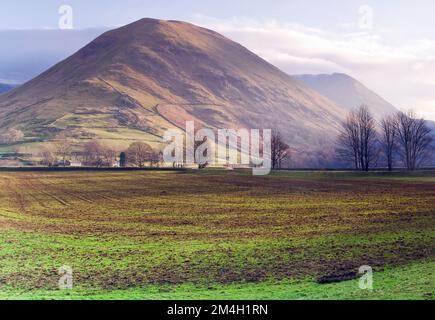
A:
(93, 153)
(280, 151)
(138, 153)
(98, 154)
(368, 138)
(388, 139)
(358, 138)
(108, 155)
(348, 148)
(63, 147)
(48, 156)
(414, 139)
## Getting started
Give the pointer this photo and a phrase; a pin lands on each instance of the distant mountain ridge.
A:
(6, 87)
(26, 53)
(347, 92)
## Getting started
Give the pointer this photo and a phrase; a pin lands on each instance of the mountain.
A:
(347, 92)
(6, 87)
(134, 82)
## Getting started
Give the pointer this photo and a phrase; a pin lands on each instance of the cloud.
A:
(401, 73)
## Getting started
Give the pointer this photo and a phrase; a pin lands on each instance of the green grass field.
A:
(216, 235)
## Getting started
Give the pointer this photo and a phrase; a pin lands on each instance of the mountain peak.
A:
(161, 22)
(156, 25)
(347, 92)
(147, 27)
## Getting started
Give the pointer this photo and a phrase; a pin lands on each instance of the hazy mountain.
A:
(6, 87)
(136, 81)
(347, 92)
(26, 53)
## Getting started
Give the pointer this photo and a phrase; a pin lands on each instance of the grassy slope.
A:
(166, 235)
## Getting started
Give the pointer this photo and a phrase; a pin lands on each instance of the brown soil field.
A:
(121, 230)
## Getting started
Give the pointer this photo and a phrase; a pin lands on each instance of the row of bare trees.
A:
(363, 141)
(139, 153)
(96, 154)
(280, 152)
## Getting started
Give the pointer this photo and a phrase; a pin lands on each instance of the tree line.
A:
(363, 142)
(401, 137)
(97, 154)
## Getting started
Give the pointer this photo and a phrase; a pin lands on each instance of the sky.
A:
(389, 45)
